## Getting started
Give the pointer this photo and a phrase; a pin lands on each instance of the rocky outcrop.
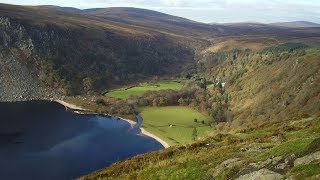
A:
(268, 162)
(18, 82)
(307, 159)
(262, 174)
(227, 164)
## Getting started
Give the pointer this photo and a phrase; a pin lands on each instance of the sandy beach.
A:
(70, 106)
(79, 110)
(164, 144)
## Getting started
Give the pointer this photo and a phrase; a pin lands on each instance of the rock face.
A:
(226, 164)
(262, 174)
(307, 159)
(18, 82)
(269, 162)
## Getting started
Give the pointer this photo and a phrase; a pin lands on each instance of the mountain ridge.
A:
(294, 24)
(258, 84)
(69, 41)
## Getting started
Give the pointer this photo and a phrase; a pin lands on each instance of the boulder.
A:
(307, 159)
(262, 164)
(226, 164)
(262, 174)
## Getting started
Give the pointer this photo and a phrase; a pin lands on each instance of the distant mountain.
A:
(58, 8)
(293, 24)
(296, 24)
(154, 20)
(241, 23)
(246, 24)
(82, 51)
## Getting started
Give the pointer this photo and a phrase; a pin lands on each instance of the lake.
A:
(41, 140)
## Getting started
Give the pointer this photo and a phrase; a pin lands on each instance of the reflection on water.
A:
(40, 140)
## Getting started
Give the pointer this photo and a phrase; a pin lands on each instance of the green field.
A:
(124, 93)
(157, 120)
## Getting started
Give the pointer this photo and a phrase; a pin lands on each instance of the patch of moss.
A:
(312, 147)
(294, 146)
(304, 171)
(187, 170)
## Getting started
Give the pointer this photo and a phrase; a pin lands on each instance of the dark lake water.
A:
(41, 140)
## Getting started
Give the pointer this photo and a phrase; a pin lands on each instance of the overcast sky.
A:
(220, 11)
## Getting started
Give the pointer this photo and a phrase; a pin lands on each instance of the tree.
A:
(163, 101)
(87, 84)
(69, 90)
(203, 83)
(186, 75)
(100, 102)
(226, 98)
(182, 102)
(194, 134)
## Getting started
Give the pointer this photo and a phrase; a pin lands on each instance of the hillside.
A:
(292, 24)
(256, 85)
(157, 21)
(77, 54)
(283, 150)
(270, 84)
(88, 51)
(296, 24)
(264, 106)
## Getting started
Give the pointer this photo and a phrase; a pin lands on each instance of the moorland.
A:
(233, 100)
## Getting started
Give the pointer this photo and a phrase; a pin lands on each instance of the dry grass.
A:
(200, 160)
(242, 43)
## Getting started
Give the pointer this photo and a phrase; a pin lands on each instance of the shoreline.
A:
(70, 106)
(162, 142)
(77, 109)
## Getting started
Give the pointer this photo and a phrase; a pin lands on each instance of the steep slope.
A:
(267, 84)
(18, 82)
(76, 53)
(290, 149)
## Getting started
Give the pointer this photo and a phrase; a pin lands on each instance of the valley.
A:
(227, 101)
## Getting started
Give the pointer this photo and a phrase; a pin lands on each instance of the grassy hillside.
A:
(276, 83)
(276, 147)
(175, 125)
(259, 85)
